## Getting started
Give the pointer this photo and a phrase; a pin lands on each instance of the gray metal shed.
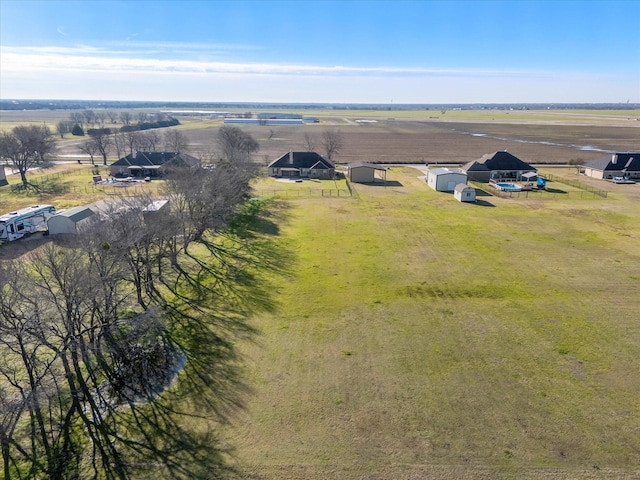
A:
(68, 221)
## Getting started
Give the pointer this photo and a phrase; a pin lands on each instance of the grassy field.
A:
(65, 185)
(418, 337)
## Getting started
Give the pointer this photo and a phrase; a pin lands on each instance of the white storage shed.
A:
(445, 180)
(464, 193)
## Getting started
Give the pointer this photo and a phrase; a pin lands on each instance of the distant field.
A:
(418, 337)
(456, 136)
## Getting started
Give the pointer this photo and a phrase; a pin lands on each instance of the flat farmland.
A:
(418, 337)
(457, 136)
(435, 141)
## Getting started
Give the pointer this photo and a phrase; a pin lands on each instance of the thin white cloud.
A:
(91, 59)
(117, 72)
(61, 31)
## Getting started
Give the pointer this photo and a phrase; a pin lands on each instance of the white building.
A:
(464, 193)
(445, 180)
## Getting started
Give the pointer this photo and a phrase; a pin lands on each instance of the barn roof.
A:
(76, 214)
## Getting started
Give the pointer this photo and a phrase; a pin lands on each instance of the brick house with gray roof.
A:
(616, 165)
(302, 165)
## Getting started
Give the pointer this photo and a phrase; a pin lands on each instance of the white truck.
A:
(15, 225)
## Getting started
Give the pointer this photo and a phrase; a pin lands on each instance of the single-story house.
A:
(302, 165)
(69, 221)
(617, 165)
(464, 193)
(150, 164)
(363, 172)
(498, 165)
(445, 180)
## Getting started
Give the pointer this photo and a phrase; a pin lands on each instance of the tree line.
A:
(112, 342)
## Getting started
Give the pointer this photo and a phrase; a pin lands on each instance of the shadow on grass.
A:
(484, 203)
(555, 190)
(381, 183)
(210, 315)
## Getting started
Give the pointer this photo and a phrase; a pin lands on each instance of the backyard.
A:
(419, 337)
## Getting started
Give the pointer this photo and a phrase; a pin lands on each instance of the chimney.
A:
(614, 158)
(290, 157)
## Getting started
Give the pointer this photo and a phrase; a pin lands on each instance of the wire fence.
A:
(576, 184)
(547, 194)
(303, 192)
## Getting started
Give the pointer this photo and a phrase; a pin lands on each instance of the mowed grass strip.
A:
(414, 330)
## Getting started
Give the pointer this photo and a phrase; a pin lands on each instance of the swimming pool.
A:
(508, 187)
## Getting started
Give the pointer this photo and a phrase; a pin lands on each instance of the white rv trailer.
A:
(15, 225)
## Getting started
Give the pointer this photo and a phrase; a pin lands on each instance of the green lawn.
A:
(65, 185)
(416, 335)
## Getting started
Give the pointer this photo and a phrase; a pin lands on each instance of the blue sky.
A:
(321, 51)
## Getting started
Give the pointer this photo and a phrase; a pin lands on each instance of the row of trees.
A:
(101, 117)
(88, 119)
(123, 143)
(108, 343)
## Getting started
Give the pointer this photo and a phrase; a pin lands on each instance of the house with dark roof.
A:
(618, 165)
(302, 165)
(498, 165)
(150, 164)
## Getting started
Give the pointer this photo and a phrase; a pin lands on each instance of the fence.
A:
(541, 194)
(576, 184)
(303, 192)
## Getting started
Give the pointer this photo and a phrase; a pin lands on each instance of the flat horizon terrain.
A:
(415, 136)
(419, 337)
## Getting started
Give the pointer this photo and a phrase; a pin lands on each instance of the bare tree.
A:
(26, 147)
(89, 117)
(100, 118)
(148, 141)
(125, 117)
(132, 141)
(236, 145)
(112, 115)
(90, 148)
(63, 127)
(175, 141)
(120, 144)
(93, 333)
(309, 142)
(332, 143)
(77, 118)
(103, 142)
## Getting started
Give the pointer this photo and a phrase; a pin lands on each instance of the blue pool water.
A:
(508, 187)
